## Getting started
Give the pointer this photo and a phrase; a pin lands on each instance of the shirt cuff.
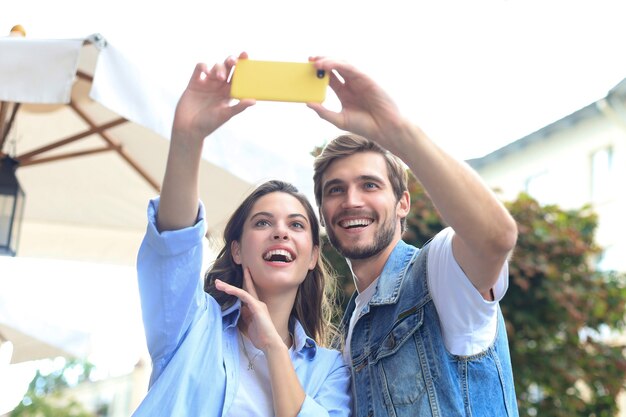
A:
(174, 242)
(310, 408)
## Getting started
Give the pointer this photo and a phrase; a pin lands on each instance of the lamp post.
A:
(11, 206)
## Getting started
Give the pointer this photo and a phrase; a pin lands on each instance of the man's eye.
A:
(334, 190)
(370, 185)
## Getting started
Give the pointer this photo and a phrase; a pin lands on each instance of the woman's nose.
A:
(281, 233)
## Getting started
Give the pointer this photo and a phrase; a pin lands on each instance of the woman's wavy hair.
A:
(312, 306)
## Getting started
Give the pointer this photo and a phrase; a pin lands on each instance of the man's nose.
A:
(352, 198)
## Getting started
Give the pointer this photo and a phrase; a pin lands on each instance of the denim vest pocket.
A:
(397, 360)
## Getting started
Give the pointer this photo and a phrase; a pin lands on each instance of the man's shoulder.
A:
(434, 243)
(412, 275)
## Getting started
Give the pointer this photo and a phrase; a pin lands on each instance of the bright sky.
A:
(475, 75)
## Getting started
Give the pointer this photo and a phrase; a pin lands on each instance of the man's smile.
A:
(354, 223)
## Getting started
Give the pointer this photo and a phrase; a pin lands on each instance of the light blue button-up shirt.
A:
(193, 343)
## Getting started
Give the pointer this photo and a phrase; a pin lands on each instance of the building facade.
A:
(577, 160)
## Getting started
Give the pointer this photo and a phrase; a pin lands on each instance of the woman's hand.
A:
(256, 318)
(206, 103)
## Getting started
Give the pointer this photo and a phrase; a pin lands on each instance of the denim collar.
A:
(304, 344)
(390, 279)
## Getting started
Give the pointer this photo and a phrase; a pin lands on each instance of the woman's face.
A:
(276, 244)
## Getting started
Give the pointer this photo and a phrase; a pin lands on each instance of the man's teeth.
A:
(278, 255)
(356, 223)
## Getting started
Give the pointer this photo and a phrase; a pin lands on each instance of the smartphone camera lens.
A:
(321, 73)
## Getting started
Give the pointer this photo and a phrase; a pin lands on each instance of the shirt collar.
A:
(303, 344)
(390, 279)
(230, 316)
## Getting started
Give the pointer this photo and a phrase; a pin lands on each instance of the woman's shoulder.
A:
(332, 359)
(328, 352)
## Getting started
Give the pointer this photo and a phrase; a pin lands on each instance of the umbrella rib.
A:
(118, 148)
(3, 114)
(65, 156)
(83, 75)
(25, 158)
(9, 124)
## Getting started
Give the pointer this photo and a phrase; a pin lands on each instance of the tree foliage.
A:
(46, 394)
(556, 307)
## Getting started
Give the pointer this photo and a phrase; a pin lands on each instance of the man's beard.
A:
(382, 239)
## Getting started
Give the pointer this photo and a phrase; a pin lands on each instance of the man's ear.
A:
(404, 205)
(322, 222)
(314, 256)
(235, 249)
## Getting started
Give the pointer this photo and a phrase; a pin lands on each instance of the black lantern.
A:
(11, 206)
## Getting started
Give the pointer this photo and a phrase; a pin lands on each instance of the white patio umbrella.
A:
(88, 174)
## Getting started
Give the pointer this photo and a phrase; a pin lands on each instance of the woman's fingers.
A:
(247, 294)
(241, 106)
(229, 63)
(248, 284)
(200, 69)
(232, 290)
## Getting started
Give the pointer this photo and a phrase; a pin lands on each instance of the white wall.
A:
(558, 170)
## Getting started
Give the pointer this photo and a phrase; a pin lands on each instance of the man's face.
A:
(359, 208)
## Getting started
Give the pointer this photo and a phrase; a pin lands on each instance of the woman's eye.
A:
(298, 225)
(262, 223)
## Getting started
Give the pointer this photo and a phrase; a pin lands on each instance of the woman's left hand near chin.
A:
(258, 324)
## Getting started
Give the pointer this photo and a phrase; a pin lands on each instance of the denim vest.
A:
(400, 366)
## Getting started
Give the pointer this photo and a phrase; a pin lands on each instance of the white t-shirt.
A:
(468, 321)
(361, 300)
(254, 393)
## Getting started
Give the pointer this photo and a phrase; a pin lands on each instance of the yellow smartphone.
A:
(278, 81)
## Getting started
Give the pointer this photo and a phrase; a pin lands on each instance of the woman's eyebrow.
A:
(262, 213)
(298, 215)
(270, 215)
